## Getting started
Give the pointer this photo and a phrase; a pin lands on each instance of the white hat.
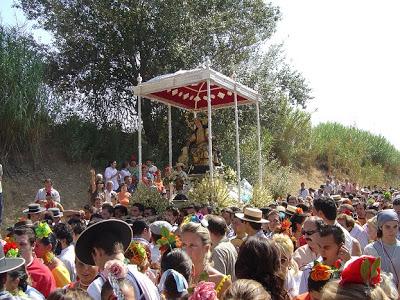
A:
(251, 215)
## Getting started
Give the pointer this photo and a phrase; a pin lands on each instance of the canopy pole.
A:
(171, 186)
(210, 153)
(139, 103)
(260, 168)
(169, 137)
(237, 139)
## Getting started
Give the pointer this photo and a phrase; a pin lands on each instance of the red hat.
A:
(365, 270)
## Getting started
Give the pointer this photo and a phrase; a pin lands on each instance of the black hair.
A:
(108, 207)
(217, 225)
(153, 210)
(179, 261)
(88, 208)
(123, 209)
(139, 226)
(77, 226)
(20, 273)
(49, 240)
(140, 206)
(396, 201)
(333, 230)
(63, 231)
(327, 206)
(174, 210)
(109, 242)
(296, 219)
(255, 226)
(316, 285)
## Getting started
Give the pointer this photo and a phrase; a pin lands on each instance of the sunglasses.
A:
(310, 232)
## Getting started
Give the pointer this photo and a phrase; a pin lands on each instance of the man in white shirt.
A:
(112, 174)
(64, 235)
(109, 193)
(330, 240)
(326, 209)
(47, 191)
(303, 192)
(1, 195)
(308, 253)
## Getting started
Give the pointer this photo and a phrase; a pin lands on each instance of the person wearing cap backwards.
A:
(387, 247)
(253, 220)
(105, 241)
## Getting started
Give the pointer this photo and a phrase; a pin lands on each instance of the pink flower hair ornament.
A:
(204, 291)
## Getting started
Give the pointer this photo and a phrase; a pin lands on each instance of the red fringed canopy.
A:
(188, 90)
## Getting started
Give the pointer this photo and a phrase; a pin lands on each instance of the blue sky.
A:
(349, 51)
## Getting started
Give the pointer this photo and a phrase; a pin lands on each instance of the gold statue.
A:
(196, 147)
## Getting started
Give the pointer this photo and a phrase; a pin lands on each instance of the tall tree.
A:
(103, 45)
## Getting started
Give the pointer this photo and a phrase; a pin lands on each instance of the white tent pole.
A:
(171, 186)
(139, 100)
(260, 168)
(169, 137)
(210, 153)
(237, 138)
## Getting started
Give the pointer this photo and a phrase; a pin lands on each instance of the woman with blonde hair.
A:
(289, 267)
(246, 289)
(372, 229)
(196, 242)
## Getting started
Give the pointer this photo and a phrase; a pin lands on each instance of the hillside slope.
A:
(21, 182)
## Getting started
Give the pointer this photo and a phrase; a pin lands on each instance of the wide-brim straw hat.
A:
(252, 215)
(84, 244)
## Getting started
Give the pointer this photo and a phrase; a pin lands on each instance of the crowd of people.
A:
(334, 242)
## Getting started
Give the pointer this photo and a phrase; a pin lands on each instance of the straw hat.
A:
(252, 215)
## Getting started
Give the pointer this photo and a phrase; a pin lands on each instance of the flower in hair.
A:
(363, 270)
(196, 218)
(348, 212)
(299, 211)
(11, 249)
(115, 268)
(321, 272)
(43, 230)
(168, 240)
(285, 224)
(204, 291)
(136, 253)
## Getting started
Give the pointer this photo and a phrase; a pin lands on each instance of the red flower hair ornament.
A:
(363, 270)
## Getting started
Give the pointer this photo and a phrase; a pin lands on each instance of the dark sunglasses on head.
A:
(310, 232)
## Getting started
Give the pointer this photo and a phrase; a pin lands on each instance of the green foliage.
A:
(358, 154)
(100, 55)
(23, 95)
(277, 178)
(149, 197)
(84, 141)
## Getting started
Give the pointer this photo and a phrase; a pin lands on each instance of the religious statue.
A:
(196, 149)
